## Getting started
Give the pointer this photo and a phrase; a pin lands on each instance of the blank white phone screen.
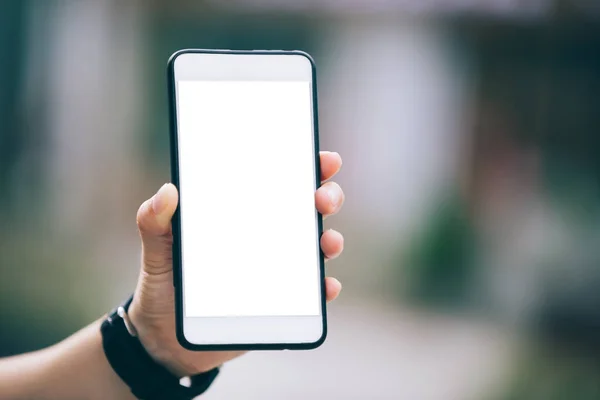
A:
(247, 179)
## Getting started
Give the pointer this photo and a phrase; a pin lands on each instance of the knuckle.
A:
(155, 264)
(157, 255)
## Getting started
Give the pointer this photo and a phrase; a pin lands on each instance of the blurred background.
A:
(470, 131)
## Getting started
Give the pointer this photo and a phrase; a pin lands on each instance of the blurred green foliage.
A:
(440, 263)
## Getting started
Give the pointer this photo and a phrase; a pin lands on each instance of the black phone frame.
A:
(176, 222)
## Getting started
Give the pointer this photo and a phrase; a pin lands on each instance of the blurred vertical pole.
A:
(399, 102)
(12, 27)
(95, 94)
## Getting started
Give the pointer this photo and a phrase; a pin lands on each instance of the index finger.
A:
(331, 162)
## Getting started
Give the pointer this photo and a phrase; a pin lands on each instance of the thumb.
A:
(154, 224)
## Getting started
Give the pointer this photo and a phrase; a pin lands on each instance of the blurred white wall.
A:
(392, 102)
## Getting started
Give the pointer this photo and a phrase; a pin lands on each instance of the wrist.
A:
(157, 336)
(150, 335)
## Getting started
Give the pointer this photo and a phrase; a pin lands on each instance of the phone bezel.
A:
(176, 222)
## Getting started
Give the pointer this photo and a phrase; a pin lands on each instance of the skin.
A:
(76, 368)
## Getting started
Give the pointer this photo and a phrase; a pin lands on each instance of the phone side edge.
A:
(176, 220)
(317, 157)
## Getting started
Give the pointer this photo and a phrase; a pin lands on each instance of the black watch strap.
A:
(147, 379)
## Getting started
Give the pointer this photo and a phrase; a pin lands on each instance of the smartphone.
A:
(248, 269)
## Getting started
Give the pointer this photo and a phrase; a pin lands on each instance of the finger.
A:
(329, 198)
(333, 287)
(154, 224)
(332, 244)
(331, 163)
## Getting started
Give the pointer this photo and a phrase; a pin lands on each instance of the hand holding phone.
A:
(153, 309)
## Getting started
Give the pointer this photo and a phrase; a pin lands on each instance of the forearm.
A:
(75, 368)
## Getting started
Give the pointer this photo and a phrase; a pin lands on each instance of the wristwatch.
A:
(147, 379)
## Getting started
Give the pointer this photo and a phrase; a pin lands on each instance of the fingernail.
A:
(339, 285)
(159, 201)
(331, 152)
(334, 195)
